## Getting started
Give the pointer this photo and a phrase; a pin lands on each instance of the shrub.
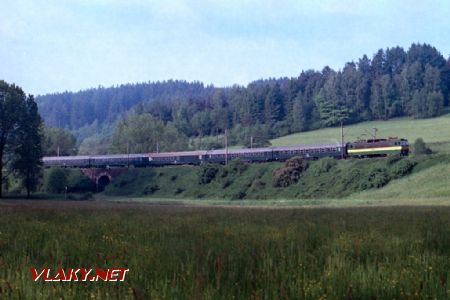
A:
(77, 182)
(393, 159)
(257, 185)
(291, 173)
(420, 147)
(56, 181)
(297, 163)
(151, 189)
(236, 166)
(284, 177)
(402, 168)
(227, 183)
(323, 165)
(351, 177)
(376, 178)
(207, 173)
(238, 195)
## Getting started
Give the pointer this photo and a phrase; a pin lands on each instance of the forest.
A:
(394, 82)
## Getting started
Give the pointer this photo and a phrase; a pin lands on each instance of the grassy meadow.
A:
(200, 252)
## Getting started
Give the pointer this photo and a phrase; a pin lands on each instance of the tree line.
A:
(392, 83)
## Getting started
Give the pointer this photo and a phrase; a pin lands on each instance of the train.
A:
(357, 149)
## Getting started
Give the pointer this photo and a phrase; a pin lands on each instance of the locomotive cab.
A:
(378, 147)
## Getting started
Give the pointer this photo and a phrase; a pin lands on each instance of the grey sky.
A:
(51, 45)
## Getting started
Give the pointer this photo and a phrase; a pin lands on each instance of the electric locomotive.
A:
(378, 147)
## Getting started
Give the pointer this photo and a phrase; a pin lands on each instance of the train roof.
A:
(74, 157)
(306, 147)
(181, 153)
(381, 140)
(131, 155)
(236, 151)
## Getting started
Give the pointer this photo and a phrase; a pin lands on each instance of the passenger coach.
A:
(308, 151)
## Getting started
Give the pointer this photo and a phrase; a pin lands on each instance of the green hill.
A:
(432, 183)
(434, 130)
(325, 178)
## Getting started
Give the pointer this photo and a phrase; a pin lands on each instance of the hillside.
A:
(326, 178)
(431, 130)
(432, 183)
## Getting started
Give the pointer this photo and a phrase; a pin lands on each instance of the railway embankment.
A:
(325, 178)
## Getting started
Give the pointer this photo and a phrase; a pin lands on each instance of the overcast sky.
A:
(57, 45)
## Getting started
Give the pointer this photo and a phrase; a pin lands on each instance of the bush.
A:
(393, 159)
(238, 195)
(291, 173)
(208, 173)
(402, 168)
(323, 165)
(376, 178)
(420, 147)
(351, 177)
(257, 185)
(56, 181)
(151, 189)
(77, 182)
(236, 166)
(227, 183)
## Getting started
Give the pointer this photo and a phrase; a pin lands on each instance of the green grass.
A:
(432, 183)
(187, 252)
(347, 202)
(431, 130)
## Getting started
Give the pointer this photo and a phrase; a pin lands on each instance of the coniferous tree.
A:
(273, 106)
(299, 120)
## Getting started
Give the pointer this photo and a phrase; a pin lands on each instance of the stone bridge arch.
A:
(103, 176)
